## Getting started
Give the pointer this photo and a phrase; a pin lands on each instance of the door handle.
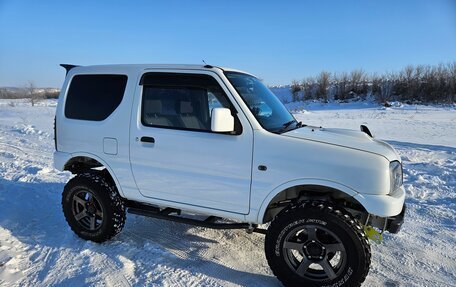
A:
(148, 139)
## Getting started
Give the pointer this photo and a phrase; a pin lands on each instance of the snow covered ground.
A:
(37, 248)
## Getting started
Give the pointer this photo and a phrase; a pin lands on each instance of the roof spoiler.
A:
(68, 67)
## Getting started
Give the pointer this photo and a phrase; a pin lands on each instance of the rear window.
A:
(94, 97)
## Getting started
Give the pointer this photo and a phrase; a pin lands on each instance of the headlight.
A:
(395, 175)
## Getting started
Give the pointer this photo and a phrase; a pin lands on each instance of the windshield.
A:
(265, 106)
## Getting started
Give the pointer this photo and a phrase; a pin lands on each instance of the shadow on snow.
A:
(31, 211)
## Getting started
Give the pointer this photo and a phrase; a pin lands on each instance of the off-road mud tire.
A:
(328, 216)
(108, 197)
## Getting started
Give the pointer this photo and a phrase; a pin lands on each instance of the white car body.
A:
(218, 174)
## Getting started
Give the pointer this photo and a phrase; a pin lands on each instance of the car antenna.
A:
(206, 65)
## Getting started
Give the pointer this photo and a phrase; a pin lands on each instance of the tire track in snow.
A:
(199, 250)
(114, 276)
(173, 237)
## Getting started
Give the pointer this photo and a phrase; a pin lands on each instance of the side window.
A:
(213, 101)
(94, 97)
(180, 101)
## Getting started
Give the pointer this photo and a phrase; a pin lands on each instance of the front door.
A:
(174, 154)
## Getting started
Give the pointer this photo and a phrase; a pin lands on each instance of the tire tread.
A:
(343, 215)
(115, 203)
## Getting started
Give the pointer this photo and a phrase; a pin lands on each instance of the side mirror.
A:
(221, 120)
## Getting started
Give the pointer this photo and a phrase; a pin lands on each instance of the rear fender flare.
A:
(104, 163)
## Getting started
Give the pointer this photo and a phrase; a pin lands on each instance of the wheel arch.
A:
(83, 162)
(292, 191)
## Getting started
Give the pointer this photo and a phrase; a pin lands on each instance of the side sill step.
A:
(139, 208)
(209, 222)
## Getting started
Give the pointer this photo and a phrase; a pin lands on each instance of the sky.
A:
(279, 41)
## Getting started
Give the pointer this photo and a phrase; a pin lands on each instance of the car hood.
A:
(347, 138)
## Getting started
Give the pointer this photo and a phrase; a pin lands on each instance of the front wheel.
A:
(316, 244)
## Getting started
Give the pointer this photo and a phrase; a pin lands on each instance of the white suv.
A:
(167, 141)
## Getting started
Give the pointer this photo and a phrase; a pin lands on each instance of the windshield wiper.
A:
(286, 125)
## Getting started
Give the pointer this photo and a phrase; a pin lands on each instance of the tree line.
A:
(412, 84)
(30, 92)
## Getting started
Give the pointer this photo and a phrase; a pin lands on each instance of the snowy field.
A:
(37, 248)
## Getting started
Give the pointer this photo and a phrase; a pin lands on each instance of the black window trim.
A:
(232, 107)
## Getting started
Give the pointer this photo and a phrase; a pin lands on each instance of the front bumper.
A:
(394, 224)
(383, 205)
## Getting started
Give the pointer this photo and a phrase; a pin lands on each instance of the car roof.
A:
(149, 66)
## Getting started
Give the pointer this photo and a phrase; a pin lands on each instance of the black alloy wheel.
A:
(87, 210)
(314, 252)
(93, 207)
(315, 243)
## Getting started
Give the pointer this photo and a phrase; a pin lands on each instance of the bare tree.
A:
(308, 88)
(358, 83)
(341, 86)
(295, 89)
(376, 82)
(386, 89)
(409, 81)
(417, 78)
(32, 94)
(452, 82)
(323, 85)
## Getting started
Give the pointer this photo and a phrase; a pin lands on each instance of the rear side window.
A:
(94, 97)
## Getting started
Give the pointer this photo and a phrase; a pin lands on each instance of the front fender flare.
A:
(304, 181)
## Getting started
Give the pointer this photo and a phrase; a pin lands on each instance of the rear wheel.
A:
(92, 207)
(315, 244)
